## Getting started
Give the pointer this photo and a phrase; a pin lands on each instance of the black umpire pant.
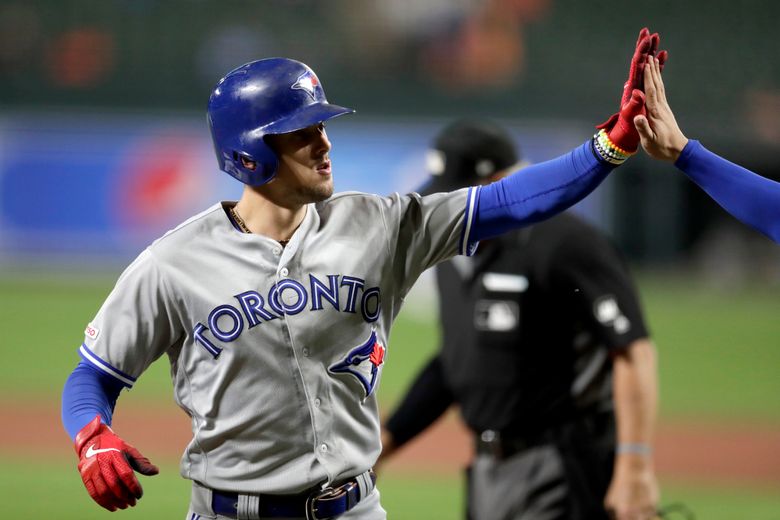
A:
(564, 474)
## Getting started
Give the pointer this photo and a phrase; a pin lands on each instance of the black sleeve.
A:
(594, 273)
(427, 399)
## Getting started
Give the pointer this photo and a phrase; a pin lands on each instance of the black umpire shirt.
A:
(528, 327)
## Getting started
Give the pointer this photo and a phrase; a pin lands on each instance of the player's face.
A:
(304, 166)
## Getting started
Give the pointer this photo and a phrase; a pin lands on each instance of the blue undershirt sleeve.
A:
(88, 392)
(538, 192)
(751, 198)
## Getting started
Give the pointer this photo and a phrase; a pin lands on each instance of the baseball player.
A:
(751, 198)
(540, 329)
(275, 311)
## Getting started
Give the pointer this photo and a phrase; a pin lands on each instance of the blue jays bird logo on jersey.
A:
(307, 82)
(363, 362)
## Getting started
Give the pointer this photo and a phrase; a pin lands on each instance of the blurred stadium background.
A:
(104, 146)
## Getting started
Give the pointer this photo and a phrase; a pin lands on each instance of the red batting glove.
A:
(620, 126)
(106, 464)
(622, 131)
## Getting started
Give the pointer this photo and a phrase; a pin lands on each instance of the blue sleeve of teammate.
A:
(88, 392)
(538, 192)
(753, 199)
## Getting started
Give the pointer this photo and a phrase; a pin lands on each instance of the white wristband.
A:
(634, 448)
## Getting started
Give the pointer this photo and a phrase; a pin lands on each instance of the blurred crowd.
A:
(518, 60)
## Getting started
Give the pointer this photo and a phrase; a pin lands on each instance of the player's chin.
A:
(320, 191)
(326, 183)
(326, 191)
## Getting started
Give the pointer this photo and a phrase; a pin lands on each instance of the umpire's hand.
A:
(633, 493)
(106, 464)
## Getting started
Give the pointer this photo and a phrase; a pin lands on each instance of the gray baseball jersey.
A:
(276, 352)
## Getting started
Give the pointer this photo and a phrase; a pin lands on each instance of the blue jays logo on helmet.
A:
(363, 363)
(264, 97)
(307, 82)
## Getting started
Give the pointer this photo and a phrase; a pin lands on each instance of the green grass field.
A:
(32, 490)
(719, 354)
(719, 358)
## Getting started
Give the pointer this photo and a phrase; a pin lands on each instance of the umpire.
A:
(545, 350)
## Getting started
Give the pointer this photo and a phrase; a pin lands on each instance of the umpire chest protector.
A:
(521, 344)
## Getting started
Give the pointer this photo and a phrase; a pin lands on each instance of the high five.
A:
(753, 199)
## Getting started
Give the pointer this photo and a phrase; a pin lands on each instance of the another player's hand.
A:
(633, 493)
(106, 464)
(658, 130)
(620, 126)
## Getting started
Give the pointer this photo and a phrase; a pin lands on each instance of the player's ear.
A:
(248, 163)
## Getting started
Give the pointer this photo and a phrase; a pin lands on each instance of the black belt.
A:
(314, 505)
(501, 445)
(493, 443)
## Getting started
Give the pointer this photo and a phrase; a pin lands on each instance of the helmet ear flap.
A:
(253, 169)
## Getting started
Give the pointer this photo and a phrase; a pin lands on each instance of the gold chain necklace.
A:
(238, 220)
(244, 228)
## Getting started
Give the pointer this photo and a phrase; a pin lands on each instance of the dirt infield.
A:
(701, 452)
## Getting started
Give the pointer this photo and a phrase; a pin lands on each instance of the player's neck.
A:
(264, 217)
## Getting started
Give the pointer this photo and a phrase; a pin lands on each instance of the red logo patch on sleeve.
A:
(377, 356)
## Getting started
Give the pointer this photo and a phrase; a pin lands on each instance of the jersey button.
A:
(284, 271)
(317, 403)
(323, 447)
(305, 352)
(277, 251)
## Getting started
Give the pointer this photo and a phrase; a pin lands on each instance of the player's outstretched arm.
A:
(751, 198)
(545, 189)
(106, 462)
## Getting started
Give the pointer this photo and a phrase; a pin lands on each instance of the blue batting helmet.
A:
(270, 96)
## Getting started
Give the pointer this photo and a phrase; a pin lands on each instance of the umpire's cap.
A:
(467, 151)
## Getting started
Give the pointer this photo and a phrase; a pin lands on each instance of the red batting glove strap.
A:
(106, 464)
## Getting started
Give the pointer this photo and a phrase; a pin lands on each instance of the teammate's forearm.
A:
(635, 388)
(88, 392)
(538, 191)
(753, 199)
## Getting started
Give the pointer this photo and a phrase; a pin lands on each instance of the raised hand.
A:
(659, 133)
(618, 137)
